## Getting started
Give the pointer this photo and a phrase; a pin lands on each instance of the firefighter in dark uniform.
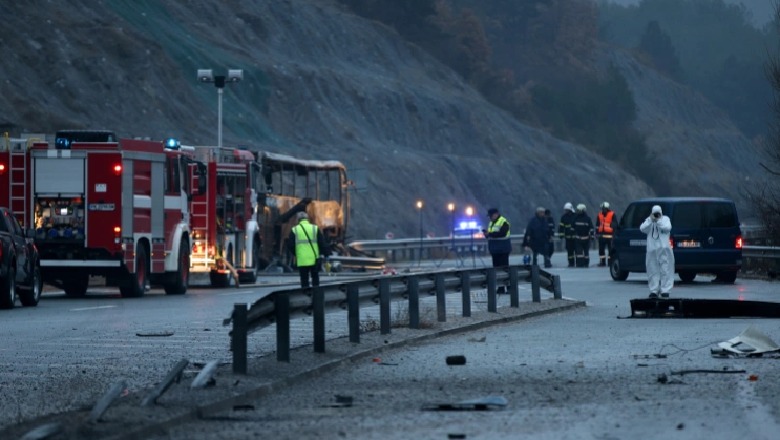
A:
(566, 232)
(605, 227)
(583, 232)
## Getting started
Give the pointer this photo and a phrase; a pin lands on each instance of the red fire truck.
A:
(103, 206)
(225, 234)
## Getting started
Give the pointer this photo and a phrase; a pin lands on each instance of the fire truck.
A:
(225, 235)
(103, 206)
(241, 221)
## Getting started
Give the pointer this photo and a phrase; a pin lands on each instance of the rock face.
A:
(321, 83)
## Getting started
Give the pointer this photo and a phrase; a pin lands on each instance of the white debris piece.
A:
(750, 342)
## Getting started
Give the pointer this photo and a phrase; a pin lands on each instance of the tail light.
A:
(117, 169)
(671, 242)
(2, 168)
(738, 242)
(117, 234)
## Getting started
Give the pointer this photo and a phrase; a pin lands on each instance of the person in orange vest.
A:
(605, 227)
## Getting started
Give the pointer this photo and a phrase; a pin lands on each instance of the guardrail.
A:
(769, 252)
(280, 306)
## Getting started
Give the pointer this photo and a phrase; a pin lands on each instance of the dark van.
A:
(705, 237)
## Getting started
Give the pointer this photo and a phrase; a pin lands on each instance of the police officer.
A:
(497, 234)
(307, 244)
(566, 232)
(605, 227)
(583, 231)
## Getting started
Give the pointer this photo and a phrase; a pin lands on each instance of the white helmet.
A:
(569, 207)
(605, 205)
(581, 207)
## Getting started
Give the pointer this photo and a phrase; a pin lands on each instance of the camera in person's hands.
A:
(656, 216)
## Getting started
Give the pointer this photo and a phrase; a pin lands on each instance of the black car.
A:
(706, 238)
(20, 268)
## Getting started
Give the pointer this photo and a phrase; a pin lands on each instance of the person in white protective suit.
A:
(659, 260)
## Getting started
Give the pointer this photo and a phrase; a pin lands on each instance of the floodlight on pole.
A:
(419, 205)
(219, 81)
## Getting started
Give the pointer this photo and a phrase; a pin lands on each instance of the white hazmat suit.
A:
(659, 260)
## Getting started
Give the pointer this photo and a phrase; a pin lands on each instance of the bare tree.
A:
(765, 197)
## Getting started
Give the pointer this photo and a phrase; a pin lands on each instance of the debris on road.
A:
(478, 404)
(749, 343)
(456, 360)
(154, 334)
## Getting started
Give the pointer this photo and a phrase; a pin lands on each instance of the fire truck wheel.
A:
(32, 294)
(8, 289)
(181, 278)
(76, 287)
(135, 285)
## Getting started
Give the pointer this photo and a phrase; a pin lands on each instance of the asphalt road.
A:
(578, 374)
(582, 374)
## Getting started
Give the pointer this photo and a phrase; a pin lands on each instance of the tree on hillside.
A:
(765, 198)
(658, 46)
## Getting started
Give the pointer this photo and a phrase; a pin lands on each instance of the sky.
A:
(762, 10)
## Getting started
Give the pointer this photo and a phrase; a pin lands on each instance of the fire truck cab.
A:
(103, 206)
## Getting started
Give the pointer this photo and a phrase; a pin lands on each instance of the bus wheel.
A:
(135, 284)
(181, 278)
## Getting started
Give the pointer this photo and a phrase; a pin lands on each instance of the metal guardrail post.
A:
(556, 282)
(465, 287)
(282, 312)
(318, 313)
(239, 337)
(491, 290)
(413, 289)
(353, 312)
(441, 299)
(384, 306)
(535, 284)
(514, 282)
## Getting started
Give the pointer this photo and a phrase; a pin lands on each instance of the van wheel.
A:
(687, 276)
(614, 269)
(726, 277)
(8, 288)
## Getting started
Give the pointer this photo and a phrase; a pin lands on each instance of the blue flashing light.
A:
(172, 144)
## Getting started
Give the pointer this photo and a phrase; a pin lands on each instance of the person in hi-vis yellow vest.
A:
(307, 245)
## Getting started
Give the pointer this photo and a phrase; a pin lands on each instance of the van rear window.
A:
(697, 215)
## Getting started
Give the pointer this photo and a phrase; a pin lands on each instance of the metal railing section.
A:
(279, 307)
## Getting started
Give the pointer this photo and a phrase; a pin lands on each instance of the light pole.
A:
(451, 209)
(207, 76)
(419, 205)
(469, 213)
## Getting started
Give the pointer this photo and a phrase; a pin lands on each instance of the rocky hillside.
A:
(321, 83)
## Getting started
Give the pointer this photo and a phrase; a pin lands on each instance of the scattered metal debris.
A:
(341, 402)
(173, 376)
(456, 360)
(154, 334)
(702, 308)
(749, 343)
(43, 432)
(206, 376)
(479, 404)
(108, 398)
(482, 339)
(684, 372)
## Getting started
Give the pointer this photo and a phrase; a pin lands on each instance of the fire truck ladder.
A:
(18, 181)
(200, 227)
